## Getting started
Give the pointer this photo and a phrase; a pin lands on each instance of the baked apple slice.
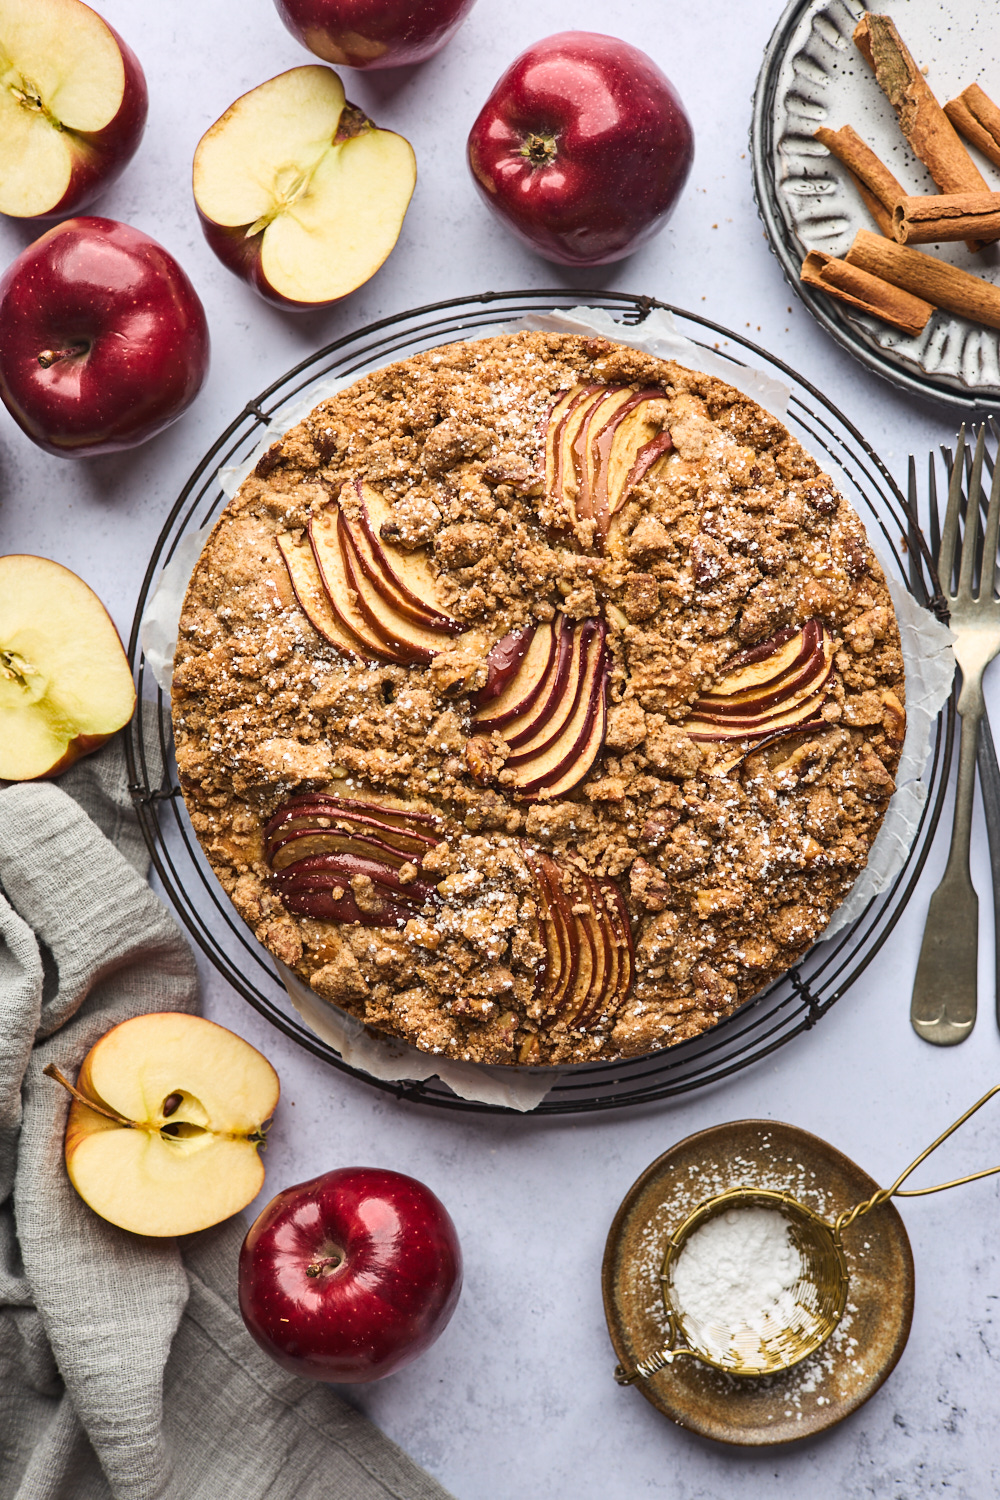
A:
(404, 577)
(599, 442)
(558, 761)
(408, 831)
(65, 683)
(324, 538)
(350, 888)
(298, 192)
(567, 410)
(345, 860)
(589, 959)
(536, 687)
(313, 600)
(781, 690)
(503, 664)
(558, 934)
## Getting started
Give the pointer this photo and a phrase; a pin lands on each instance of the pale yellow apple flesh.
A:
(192, 1099)
(325, 190)
(65, 683)
(60, 71)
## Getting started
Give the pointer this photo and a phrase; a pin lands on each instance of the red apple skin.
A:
(102, 155)
(128, 325)
(392, 1293)
(613, 144)
(373, 33)
(242, 256)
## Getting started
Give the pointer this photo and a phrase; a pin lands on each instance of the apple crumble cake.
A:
(537, 700)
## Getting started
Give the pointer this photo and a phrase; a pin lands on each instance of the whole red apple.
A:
(373, 33)
(73, 106)
(582, 148)
(350, 1276)
(103, 339)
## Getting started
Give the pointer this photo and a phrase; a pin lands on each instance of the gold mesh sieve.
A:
(820, 1294)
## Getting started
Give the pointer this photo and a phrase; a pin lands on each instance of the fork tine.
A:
(970, 542)
(914, 561)
(933, 518)
(989, 568)
(949, 534)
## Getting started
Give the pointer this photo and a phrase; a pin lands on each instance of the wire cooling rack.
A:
(794, 1003)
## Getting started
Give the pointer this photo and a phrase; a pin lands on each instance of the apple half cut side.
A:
(65, 683)
(781, 691)
(73, 104)
(166, 1122)
(298, 192)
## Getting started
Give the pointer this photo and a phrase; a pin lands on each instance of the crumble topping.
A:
(729, 855)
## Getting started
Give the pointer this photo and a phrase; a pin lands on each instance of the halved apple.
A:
(778, 688)
(166, 1123)
(317, 845)
(73, 105)
(298, 192)
(65, 683)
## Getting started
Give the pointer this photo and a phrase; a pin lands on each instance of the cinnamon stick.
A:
(975, 116)
(946, 216)
(870, 294)
(921, 118)
(923, 276)
(872, 178)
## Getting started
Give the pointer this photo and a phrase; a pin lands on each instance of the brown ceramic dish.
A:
(846, 1371)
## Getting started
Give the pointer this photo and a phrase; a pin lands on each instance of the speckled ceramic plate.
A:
(828, 1385)
(814, 75)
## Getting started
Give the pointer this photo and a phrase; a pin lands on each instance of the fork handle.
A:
(989, 784)
(943, 1007)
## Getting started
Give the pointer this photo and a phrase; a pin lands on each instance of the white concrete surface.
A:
(517, 1399)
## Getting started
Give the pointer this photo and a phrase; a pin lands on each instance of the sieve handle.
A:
(654, 1362)
(884, 1194)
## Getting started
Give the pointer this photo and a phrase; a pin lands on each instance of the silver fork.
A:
(923, 584)
(943, 1007)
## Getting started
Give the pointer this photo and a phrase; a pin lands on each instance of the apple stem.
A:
(52, 356)
(328, 1263)
(540, 150)
(51, 1071)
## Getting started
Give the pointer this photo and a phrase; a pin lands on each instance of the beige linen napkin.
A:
(125, 1369)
